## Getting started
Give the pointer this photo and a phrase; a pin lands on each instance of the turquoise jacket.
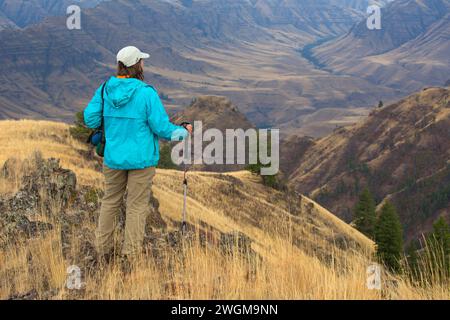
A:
(134, 120)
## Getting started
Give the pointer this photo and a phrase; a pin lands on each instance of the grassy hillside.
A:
(302, 250)
(400, 152)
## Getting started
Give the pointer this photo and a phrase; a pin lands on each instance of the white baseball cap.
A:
(129, 56)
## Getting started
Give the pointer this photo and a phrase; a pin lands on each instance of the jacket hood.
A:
(120, 91)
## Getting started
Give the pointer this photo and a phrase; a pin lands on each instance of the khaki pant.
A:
(139, 184)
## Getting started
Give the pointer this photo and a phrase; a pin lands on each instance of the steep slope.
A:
(52, 73)
(411, 49)
(287, 232)
(292, 150)
(402, 21)
(255, 207)
(23, 13)
(400, 152)
(425, 58)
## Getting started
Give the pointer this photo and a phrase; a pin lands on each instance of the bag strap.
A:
(102, 126)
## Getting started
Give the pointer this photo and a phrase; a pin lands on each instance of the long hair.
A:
(136, 71)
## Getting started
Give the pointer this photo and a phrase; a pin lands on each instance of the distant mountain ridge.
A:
(411, 50)
(248, 51)
(56, 70)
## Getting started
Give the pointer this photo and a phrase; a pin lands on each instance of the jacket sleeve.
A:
(93, 112)
(159, 122)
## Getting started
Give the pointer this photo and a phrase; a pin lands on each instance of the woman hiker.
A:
(134, 119)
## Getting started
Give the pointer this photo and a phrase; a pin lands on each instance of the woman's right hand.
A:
(189, 128)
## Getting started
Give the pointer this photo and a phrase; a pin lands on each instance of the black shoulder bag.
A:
(97, 137)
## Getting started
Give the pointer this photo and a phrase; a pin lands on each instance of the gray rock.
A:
(29, 295)
(235, 242)
(51, 185)
(15, 226)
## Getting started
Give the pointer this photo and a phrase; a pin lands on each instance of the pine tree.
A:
(441, 232)
(364, 214)
(380, 104)
(165, 157)
(413, 260)
(389, 237)
(79, 131)
(272, 181)
(439, 244)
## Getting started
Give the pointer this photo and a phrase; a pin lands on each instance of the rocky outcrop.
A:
(15, 226)
(236, 242)
(45, 191)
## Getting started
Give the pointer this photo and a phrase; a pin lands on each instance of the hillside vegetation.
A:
(400, 152)
(288, 246)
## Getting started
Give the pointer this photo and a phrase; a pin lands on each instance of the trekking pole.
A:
(185, 187)
(185, 184)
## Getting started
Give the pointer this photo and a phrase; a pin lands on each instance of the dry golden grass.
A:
(20, 139)
(301, 257)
